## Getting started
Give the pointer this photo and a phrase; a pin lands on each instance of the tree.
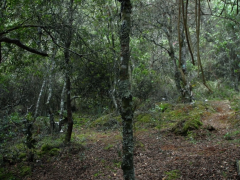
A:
(9, 32)
(125, 91)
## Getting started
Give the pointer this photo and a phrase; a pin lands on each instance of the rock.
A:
(183, 126)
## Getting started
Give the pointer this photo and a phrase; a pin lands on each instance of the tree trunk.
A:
(113, 80)
(187, 95)
(125, 92)
(50, 111)
(62, 105)
(69, 110)
(39, 97)
(68, 41)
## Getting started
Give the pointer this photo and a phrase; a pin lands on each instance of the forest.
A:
(119, 89)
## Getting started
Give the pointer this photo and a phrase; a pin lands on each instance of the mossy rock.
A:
(46, 148)
(107, 121)
(183, 126)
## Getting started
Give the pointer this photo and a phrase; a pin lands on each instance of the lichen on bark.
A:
(125, 92)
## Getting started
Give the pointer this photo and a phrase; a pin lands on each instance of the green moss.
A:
(5, 175)
(80, 138)
(147, 120)
(184, 117)
(46, 147)
(79, 120)
(174, 174)
(55, 141)
(163, 106)
(139, 144)
(184, 126)
(54, 152)
(22, 155)
(144, 118)
(25, 170)
(117, 164)
(107, 121)
(108, 147)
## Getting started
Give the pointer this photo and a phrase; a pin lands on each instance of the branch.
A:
(13, 105)
(19, 27)
(4, 4)
(28, 26)
(80, 55)
(222, 17)
(75, 97)
(19, 44)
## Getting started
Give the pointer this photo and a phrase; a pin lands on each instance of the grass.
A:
(108, 147)
(171, 175)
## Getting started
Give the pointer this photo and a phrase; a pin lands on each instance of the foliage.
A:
(231, 135)
(6, 175)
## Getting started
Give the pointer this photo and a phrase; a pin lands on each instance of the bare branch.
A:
(80, 55)
(21, 45)
(19, 27)
(75, 97)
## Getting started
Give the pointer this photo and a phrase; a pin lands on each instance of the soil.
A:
(158, 155)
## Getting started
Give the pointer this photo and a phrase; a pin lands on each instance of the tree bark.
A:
(69, 110)
(68, 41)
(62, 105)
(125, 92)
(51, 114)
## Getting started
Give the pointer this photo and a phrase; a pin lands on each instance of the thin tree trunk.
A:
(125, 92)
(51, 114)
(39, 97)
(113, 81)
(187, 95)
(62, 105)
(177, 75)
(69, 110)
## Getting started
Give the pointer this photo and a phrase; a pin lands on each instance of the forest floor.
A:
(206, 153)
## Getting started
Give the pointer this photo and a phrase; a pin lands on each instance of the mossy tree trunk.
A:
(125, 91)
(68, 41)
(186, 88)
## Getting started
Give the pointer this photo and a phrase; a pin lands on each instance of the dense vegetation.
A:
(68, 70)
